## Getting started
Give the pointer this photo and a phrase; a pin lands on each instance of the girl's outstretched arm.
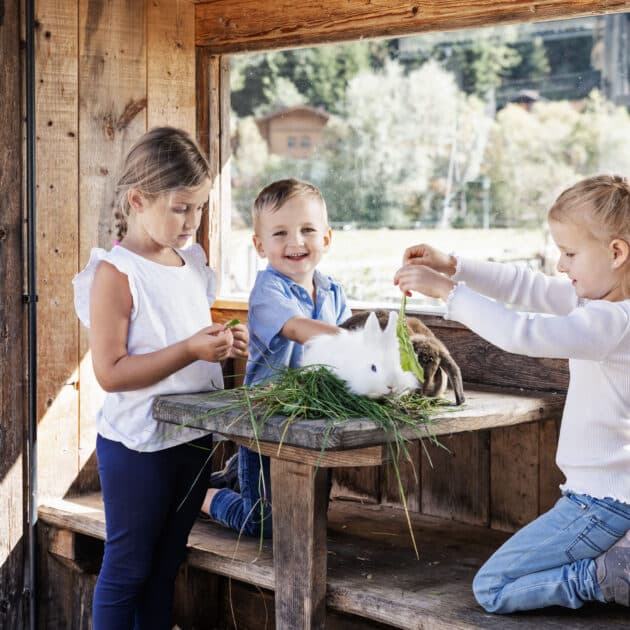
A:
(506, 282)
(115, 369)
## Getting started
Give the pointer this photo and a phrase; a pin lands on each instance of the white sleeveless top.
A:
(169, 305)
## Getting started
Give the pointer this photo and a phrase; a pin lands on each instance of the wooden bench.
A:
(373, 573)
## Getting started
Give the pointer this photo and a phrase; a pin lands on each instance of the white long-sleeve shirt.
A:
(594, 335)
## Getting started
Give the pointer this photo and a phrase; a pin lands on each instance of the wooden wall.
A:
(12, 322)
(107, 70)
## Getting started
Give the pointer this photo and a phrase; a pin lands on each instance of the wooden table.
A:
(299, 477)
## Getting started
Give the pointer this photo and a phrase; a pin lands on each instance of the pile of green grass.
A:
(313, 392)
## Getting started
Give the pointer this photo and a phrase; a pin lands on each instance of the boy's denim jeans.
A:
(243, 512)
(550, 562)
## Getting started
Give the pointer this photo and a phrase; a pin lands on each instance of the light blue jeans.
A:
(550, 562)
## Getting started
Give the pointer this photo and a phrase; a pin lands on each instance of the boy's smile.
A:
(294, 237)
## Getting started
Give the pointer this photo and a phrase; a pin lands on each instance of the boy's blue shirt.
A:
(272, 302)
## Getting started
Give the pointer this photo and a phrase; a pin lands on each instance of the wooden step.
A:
(373, 572)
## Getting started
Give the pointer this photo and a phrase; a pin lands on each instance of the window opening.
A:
(461, 139)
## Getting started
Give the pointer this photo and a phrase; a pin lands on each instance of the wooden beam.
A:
(213, 134)
(12, 323)
(57, 100)
(170, 64)
(112, 115)
(229, 26)
(202, 88)
(370, 456)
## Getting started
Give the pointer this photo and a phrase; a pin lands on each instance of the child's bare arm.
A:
(301, 329)
(115, 369)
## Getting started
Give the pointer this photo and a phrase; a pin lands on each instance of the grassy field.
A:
(364, 261)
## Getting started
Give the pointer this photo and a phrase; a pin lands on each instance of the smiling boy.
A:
(291, 302)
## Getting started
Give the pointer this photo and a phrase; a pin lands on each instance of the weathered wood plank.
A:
(482, 362)
(223, 413)
(370, 456)
(196, 597)
(456, 482)
(56, 594)
(13, 357)
(549, 475)
(218, 95)
(410, 471)
(299, 494)
(372, 569)
(171, 64)
(112, 115)
(57, 245)
(225, 161)
(228, 26)
(214, 95)
(514, 478)
(202, 89)
(357, 483)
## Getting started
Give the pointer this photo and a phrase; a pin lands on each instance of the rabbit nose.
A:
(390, 388)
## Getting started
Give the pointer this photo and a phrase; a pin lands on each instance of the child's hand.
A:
(416, 277)
(213, 343)
(430, 257)
(241, 341)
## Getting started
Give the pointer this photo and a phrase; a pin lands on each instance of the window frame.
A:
(223, 28)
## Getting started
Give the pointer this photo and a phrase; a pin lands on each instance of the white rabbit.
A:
(367, 359)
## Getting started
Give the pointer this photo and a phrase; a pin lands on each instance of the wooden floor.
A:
(373, 572)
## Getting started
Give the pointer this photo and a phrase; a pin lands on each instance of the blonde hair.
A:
(164, 159)
(276, 194)
(602, 205)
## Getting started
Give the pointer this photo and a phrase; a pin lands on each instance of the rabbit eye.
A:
(373, 368)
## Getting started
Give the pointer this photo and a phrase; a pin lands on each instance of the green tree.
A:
(263, 82)
(533, 155)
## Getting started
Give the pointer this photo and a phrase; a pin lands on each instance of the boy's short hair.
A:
(276, 194)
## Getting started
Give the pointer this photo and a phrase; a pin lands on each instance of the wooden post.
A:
(299, 496)
(12, 324)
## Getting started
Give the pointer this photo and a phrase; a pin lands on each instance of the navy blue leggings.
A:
(151, 501)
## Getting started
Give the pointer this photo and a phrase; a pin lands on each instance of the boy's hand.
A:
(416, 277)
(430, 257)
(213, 343)
(241, 341)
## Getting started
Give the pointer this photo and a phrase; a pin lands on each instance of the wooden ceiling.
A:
(232, 26)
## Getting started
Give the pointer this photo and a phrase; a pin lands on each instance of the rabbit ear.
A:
(372, 327)
(454, 375)
(390, 329)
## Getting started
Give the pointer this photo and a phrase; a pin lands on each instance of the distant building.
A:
(293, 131)
(526, 99)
